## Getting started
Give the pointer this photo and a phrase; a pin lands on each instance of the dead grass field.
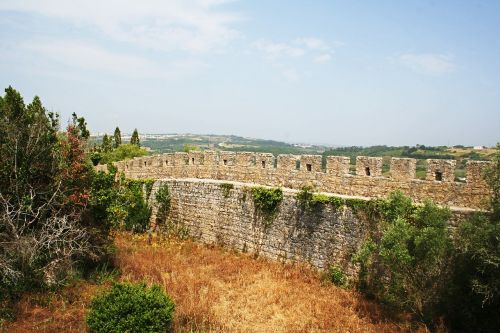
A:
(217, 290)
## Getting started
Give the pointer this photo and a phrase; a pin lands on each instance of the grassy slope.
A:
(217, 291)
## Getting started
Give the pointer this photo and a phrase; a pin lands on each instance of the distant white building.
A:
(478, 147)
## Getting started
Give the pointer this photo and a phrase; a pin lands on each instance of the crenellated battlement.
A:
(297, 171)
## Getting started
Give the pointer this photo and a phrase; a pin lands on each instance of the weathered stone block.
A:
(441, 170)
(181, 159)
(196, 158)
(264, 160)
(227, 158)
(403, 168)
(337, 165)
(475, 171)
(287, 162)
(210, 158)
(369, 166)
(310, 163)
(245, 159)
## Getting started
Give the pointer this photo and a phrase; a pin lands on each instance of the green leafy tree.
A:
(123, 152)
(120, 203)
(135, 138)
(107, 144)
(118, 137)
(44, 188)
(81, 125)
(406, 264)
(189, 148)
(474, 303)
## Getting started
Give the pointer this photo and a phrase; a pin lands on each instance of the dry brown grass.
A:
(221, 291)
(217, 290)
(61, 311)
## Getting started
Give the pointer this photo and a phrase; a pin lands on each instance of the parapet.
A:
(475, 171)
(196, 158)
(441, 170)
(294, 171)
(403, 168)
(264, 160)
(337, 165)
(245, 159)
(167, 160)
(210, 158)
(287, 162)
(310, 163)
(227, 158)
(369, 166)
(181, 159)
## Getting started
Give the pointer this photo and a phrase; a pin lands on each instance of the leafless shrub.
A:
(33, 241)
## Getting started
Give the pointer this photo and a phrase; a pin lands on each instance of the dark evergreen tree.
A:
(135, 138)
(81, 125)
(44, 189)
(117, 137)
(107, 143)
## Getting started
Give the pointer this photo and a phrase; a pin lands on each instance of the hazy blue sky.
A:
(337, 72)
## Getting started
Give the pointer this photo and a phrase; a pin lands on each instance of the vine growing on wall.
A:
(226, 189)
(309, 200)
(267, 201)
(162, 198)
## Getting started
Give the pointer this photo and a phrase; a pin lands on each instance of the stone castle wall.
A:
(295, 172)
(210, 213)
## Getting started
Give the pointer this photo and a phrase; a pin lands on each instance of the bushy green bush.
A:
(267, 201)
(138, 211)
(474, 299)
(337, 276)
(122, 152)
(129, 307)
(162, 197)
(226, 189)
(122, 203)
(406, 263)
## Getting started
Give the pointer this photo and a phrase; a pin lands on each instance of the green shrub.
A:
(474, 301)
(226, 189)
(138, 211)
(131, 307)
(406, 262)
(162, 197)
(267, 201)
(309, 200)
(148, 187)
(122, 203)
(337, 276)
(122, 152)
(304, 196)
(336, 202)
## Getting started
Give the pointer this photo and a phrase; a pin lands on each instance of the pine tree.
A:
(107, 143)
(118, 137)
(135, 138)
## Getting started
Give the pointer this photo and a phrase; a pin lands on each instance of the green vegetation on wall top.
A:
(267, 201)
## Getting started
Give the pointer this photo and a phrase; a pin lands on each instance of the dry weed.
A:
(216, 290)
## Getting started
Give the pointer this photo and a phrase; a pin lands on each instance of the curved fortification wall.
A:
(204, 207)
(294, 172)
(210, 213)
